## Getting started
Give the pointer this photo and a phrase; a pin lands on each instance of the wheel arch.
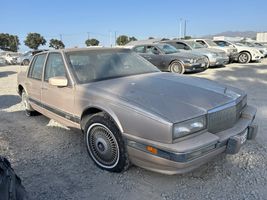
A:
(90, 111)
(245, 51)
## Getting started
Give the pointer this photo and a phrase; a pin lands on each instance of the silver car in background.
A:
(231, 51)
(214, 57)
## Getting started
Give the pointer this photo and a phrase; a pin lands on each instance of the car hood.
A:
(169, 96)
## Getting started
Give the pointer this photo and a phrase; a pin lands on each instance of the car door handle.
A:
(44, 88)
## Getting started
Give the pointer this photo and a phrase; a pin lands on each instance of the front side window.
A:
(54, 66)
(167, 49)
(37, 67)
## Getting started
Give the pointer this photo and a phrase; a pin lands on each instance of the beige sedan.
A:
(130, 112)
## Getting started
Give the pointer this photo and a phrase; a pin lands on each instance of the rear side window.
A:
(179, 45)
(37, 67)
(140, 49)
(54, 66)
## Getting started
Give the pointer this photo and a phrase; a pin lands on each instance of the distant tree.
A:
(187, 37)
(9, 42)
(150, 38)
(92, 42)
(34, 40)
(56, 44)
(124, 39)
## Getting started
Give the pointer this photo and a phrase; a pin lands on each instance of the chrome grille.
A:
(224, 117)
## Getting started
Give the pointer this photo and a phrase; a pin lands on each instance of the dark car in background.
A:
(215, 57)
(168, 58)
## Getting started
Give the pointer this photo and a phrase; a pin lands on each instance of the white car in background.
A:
(246, 53)
(10, 57)
(261, 48)
(229, 50)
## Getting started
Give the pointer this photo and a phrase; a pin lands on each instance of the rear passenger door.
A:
(34, 81)
(58, 101)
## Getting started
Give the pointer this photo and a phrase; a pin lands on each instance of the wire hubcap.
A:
(102, 145)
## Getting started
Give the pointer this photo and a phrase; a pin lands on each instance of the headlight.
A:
(189, 126)
(190, 61)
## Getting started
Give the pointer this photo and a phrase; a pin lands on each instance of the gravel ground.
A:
(53, 163)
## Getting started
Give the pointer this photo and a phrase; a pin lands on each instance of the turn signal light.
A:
(152, 150)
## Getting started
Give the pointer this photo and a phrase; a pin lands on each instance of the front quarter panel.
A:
(130, 119)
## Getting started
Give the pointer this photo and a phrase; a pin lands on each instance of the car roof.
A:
(92, 49)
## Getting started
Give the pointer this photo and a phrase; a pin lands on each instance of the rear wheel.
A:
(244, 57)
(105, 144)
(28, 109)
(177, 67)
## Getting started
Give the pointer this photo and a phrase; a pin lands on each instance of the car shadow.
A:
(6, 73)
(7, 101)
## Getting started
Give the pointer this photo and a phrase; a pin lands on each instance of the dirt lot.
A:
(53, 162)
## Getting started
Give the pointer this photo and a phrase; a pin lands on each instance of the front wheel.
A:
(177, 67)
(207, 61)
(244, 57)
(105, 144)
(25, 62)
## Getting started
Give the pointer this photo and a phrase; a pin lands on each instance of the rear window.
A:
(37, 67)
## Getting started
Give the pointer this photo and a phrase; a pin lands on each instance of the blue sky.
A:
(139, 18)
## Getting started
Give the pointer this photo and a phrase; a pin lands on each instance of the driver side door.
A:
(58, 102)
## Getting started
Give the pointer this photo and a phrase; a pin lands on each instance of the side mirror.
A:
(59, 81)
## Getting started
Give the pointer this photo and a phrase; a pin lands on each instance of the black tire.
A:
(207, 60)
(177, 67)
(104, 143)
(244, 57)
(25, 62)
(28, 109)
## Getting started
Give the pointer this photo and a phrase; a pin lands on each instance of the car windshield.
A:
(194, 45)
(167, 49)
(211, 43)
(239, 44)
(89, 66)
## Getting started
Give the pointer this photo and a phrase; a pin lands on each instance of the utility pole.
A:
(115, 38)
(185, 28)
(180, 28)
(110, 39)
(88, 35)
(60, 36)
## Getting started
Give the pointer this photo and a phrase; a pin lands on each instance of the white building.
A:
(262, 37)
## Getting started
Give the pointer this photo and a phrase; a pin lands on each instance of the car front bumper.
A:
(219, 61)
(194, 67)
(189, 154)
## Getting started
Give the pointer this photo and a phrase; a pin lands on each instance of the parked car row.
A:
(181, 56)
